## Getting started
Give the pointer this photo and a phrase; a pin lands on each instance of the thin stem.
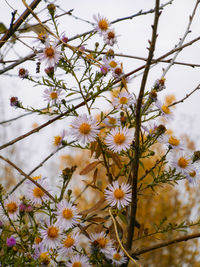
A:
(135, 162)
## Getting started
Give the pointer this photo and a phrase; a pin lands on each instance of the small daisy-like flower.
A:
(11, 205)
(164, 109)
(119, 139)
(117, 72)
(110, 63)
(84, 129)
(52, 95)
(69, 243)
(101, 241)
(159, 85)
(51, 54)
(102, 24)
(35, 193)
(171, 140)
(182, 161)
(41, 253)
(78, 261)
(50, 236)
(23, 73)
(111, 121)
(58, 139)
(110, 37)
(118, 195)
(67, 215)
(193, 174)
(117, 258)
(123, 100)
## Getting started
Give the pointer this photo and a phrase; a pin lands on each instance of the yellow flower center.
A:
(69, 242)
(103, 24)
(57, 140)
(38, 240)
(85, 128)
(111, 35)
(119, 138)
(77, 264)
(44, 258)
(183, 162)
(173, 141)
(123, 100)
(118, 71)
(118, 193)
(49, 52)
(113, 64)
(102, 242)
(52, 232)
(112, 120)
(53, 95)
(37, 192)
(165, 109)
(37, 177)
(192, 173)
(67, 214)
(11, 207)
(117, 257)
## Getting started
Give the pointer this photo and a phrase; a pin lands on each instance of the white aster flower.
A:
(110, 63)
(51, 54)
(53, 95)
(117, 258)
(111, 121)
(42, 253)
(194, 174)
(102, 24)
(110, 37)
(102, 242)
(11, 205)
(171, 141)
(78, 261)
(50, 236)
(119, 195)
(123, 100)
(84, 129)
(164, 109)
(67, 215)
(35, 193)
(119, 139)
(182, 161)
(69, 243)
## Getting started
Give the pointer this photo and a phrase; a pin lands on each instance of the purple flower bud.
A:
(50, 71)
(22, 207)
(14, 102)
(65, 39)
(29, 208)
(82, 48)
(1, 224)
(11, 241)
(104, 70)
(23, 73)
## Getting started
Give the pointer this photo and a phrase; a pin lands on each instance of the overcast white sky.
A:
(133, 40)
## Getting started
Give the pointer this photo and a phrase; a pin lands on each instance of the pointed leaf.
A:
(89, 167)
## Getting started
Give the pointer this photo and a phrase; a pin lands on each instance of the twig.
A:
(118, 239)
(135, 162)
(36, 168)
(28, 177)
(20, 20)
(166, 243)
(184, 98)
(182, 39)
